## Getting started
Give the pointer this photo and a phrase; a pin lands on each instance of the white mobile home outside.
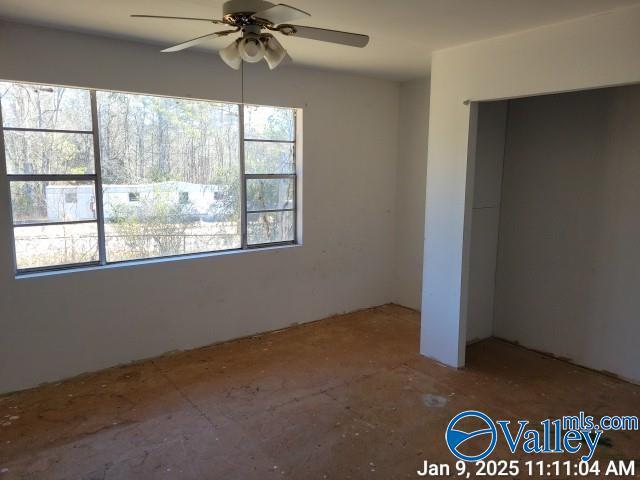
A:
(65, 202)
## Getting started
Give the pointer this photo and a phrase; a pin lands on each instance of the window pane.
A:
(269, 194)
(269, 157)
(55, 201)
(48, 153)
(269, 123)
(53, 245)
(171, 175)
(269, 227)
(41, 106)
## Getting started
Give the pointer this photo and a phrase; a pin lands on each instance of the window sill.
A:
(150, 261)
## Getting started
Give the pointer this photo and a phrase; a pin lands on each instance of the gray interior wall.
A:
(588, 52)
(488, 157)
(410, 191)
(569, 263)
(61, 325)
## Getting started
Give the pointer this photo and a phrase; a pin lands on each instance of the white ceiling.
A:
(403, 32)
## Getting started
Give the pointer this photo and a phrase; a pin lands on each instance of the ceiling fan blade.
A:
(197, 40)
(280, 13)
(333, 36)
(211, 20)
(286, 60)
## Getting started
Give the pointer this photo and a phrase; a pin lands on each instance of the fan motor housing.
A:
(244, 7)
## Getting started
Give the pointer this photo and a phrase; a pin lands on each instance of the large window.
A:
(97, 177)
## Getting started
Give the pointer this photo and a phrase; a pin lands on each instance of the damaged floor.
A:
(347, 397)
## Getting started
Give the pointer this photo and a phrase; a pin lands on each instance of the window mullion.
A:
(268, 140)
(98, 179)
(54, 177)
(47, 130)
(7, 188)
(269, 176)
(243, 181)
(296, 178)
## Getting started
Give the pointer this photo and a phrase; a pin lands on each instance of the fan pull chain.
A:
(242, 83)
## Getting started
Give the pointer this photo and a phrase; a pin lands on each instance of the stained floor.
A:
(346, 397)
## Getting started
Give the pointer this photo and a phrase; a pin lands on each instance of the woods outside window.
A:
(98, 177)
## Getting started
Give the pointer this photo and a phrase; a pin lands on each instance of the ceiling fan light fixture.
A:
(231, 55)
(253, 19)
(274, 52)
(251, 49)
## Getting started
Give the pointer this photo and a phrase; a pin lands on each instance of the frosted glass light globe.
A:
(251, 50)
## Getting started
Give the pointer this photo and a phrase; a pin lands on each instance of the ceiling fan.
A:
(250, 18)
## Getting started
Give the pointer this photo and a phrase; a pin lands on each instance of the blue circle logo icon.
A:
(456, 437)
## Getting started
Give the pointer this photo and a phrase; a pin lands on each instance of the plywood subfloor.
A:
(347, 397)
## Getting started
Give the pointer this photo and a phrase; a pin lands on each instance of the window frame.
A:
(96, 179)
(274, 176)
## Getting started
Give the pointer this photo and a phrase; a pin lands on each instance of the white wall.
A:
(585, 53)
(488, 157)
(56, 326)
(569, 263)
(410, 191)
